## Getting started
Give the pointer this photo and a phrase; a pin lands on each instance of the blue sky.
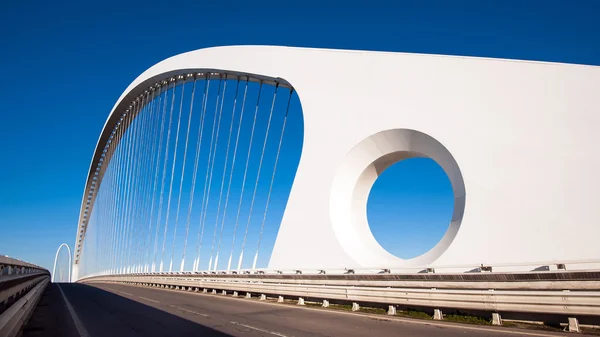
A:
(64, 64)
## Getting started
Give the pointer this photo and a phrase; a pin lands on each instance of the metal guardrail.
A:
(10, 266)
(482, 281)
(566, 294)
(21, 286)
(562, 265)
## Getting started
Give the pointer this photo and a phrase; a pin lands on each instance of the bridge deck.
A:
(120, 310)
(50, 317)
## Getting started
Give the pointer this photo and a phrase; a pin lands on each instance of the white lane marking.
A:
(148, 299)
(259, 329)
(123, 293)
(119, 292)
(78, 325)
(189, 311)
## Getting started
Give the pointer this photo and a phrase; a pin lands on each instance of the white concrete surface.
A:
(522, 136)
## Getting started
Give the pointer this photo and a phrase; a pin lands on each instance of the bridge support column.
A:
(224, 292)
(355, 306)
(300, 301)
(214, 291)
(573, 324)
(248, 295)
(496, 319)
(391, 310)
(204, 291)
(280, 299)
(437, 314)
(325, 304)
(263, 297)
(235, 294)
(196, 289)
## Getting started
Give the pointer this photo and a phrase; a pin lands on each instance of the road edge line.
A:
(81, 330)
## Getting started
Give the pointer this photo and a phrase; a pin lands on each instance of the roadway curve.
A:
(120, 310)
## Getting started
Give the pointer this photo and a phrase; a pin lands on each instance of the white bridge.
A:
(185, 174)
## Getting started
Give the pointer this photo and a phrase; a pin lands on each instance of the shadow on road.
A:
(103, 313)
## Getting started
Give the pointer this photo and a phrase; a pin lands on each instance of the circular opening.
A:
(354, 181)
(410, 207)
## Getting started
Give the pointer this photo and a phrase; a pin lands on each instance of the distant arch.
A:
(56, 258)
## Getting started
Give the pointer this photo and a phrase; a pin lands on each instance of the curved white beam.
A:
(56, 259)
(523, 134)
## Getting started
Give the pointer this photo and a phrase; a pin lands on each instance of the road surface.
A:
(115, 310)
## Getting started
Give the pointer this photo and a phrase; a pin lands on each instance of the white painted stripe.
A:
(259, 329)
(189, 311)
(78, 324)
(148, 299)
(123, 293)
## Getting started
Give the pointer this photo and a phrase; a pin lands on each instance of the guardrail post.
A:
(355, 306)
(325, 304)
(300, 300)
(391, 310)
(263, 297)
(496, 319)
(573, 324)
(437, 314)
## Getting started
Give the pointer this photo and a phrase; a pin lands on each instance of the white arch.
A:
(524, 135)
(56, 258)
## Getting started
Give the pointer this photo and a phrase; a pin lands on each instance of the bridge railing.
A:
(563, 295)
(567, 265)
(21, 287)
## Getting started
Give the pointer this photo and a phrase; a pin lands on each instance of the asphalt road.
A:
(121, 310)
